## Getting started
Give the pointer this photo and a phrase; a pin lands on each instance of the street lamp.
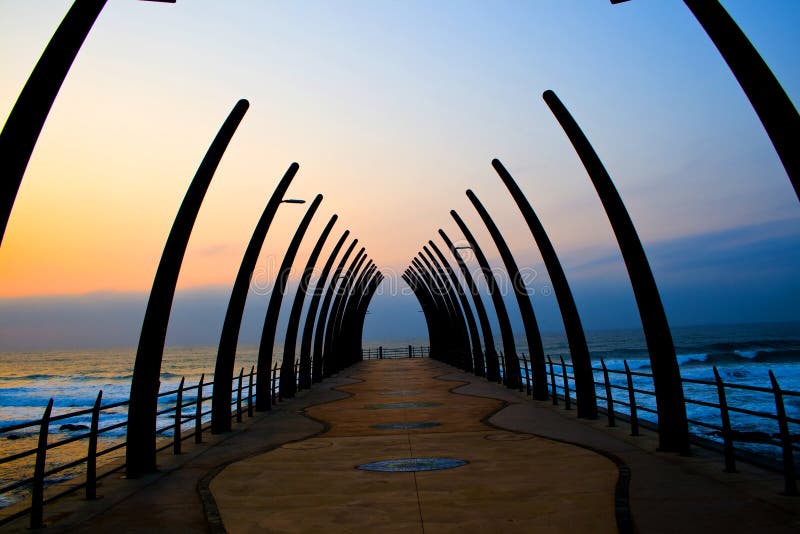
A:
(770, 101)
(229, 338)
(26, 120)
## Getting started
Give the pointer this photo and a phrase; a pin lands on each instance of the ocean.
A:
(743, 353)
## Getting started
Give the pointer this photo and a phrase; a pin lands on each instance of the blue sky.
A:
(393, 109)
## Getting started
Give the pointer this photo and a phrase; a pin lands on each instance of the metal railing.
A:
(715, 421)
(43, 474)
(409, 351)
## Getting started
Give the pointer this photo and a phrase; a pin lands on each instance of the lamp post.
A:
(26, 120)
(266, 345)
(229, 338)
(771, 103)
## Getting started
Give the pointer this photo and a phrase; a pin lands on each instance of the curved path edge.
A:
(622, 509)
(210, 508)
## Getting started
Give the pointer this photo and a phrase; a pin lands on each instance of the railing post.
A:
(567, 400)
(632, 401)
(553, 381)
(91, 454)
(274, 383)
(380, 352)
(727, 442)
(527, 374)
(501, 361)
(410, 351)
(37, 491)
(789, 476)
(609, 395)
(176, 434)
(250, 392)
(239, 397)
(198, 412)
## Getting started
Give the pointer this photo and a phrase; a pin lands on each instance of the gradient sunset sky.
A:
(393, 110)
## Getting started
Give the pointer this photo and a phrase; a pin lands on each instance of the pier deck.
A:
(527, 465)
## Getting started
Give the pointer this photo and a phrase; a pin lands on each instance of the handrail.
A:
(38, 479)
(409, 351)
(722, 429)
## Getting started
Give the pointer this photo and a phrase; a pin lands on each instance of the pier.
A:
(486, 428)
(509, 462)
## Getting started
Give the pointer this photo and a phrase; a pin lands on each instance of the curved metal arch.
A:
(477, 351)
(492, 370)
(369, 293)
(673, 427)
(768, 98)
(306, 368)
(512, 377)
(288, 382)
(341, 290)
(267, 344)
(428, 309)
(459, 325)
(141, 443)
(532, 333)
(412, 284)
(441, 314)
(576, 338)
(338, 341)
(351, 331)
(26, 120)
(318, 366)
(229, 338)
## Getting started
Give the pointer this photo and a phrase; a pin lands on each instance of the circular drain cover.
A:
(402, 405)
(406, 426)
(407, 465)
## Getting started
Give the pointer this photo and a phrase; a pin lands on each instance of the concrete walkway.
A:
(511, 481)
(294, 470)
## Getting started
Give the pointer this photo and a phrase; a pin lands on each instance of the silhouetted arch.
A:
(579, 350)
(459, 324)
(27, 117)
(442, 314)
(492, 372)
(673, 427)
(288, 383)
(229, 338)
(322, 320)
(358, 331)
(343, 288)
(469, 335)
(311, 316)
(412, 284)
(771, 103)
(141, 442)
(267, 344)
(477, 352)
(512, 373)
(532, 334)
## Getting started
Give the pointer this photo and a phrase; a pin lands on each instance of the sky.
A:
(393, 110)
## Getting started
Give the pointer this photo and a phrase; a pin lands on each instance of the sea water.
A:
(742, 353)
